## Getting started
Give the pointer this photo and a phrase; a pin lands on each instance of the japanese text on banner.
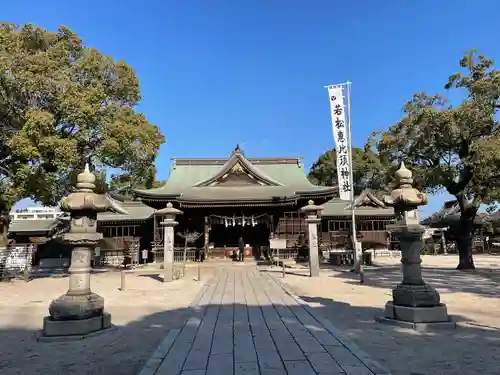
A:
(341, 141)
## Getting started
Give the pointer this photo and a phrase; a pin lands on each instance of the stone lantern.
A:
(169, 213)
(413, 302)
(80, 311)
(313, 218)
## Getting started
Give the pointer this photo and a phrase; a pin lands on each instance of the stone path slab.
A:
(246, 323)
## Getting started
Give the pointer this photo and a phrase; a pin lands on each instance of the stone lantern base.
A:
(74, 329)
(75, 317)
(429, 314)
(417, 318)
(76, 306)
(418, 307)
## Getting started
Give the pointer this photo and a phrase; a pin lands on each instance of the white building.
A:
(36, 213)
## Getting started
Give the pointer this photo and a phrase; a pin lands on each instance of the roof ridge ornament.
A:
(237, 169)
(238, 163)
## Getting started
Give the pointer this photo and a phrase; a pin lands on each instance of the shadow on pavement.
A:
(483, 283)
(122, 352)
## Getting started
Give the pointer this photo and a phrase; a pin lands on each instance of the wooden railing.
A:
(178, 255)
(337, 240)
(291, 253)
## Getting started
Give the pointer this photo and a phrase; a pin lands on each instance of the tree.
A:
(63, 105)
(189, 237)
(101, 185)
(369, 171)
(125, 183)
(454, 147)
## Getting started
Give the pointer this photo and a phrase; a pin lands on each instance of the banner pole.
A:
(342, 135)
(358, 261)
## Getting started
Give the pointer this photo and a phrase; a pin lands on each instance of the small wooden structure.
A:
(372, 218)
(448, 217)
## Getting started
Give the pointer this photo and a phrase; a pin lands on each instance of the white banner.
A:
(341, 142)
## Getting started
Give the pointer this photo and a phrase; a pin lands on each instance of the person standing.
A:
(241, 248)
(202, 255)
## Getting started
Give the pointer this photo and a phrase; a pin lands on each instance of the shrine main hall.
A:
(224, 199)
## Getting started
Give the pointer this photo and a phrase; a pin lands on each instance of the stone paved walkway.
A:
(245, 323)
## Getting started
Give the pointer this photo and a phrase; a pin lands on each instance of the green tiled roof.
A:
(130, 211)
(193, 180)
(255, 194)
(336, 207)
(36, 226)
(366, 204)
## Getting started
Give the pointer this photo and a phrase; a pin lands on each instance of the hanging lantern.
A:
(253, 221)
(225, 222)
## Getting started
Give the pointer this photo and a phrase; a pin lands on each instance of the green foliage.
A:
(62, 105)
(125, 183)
(369, 171)
(453, 147)
(101, 185)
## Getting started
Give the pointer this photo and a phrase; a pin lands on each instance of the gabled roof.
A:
(449, 215)
(237, 162)
(366, 204)
(366, 199)
(268, 181)
(438, 218)
(126, 209)
(35, 226)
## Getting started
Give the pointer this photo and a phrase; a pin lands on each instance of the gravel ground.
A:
(143, 314)
(471, 297)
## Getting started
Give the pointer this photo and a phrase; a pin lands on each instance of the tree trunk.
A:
(4, 241)
(464, 241)
(185, 248)
(206, 238)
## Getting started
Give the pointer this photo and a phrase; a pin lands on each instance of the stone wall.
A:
(14, 259)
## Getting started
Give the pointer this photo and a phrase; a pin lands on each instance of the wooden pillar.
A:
(154, 228)
(206, 237)
(271, 223)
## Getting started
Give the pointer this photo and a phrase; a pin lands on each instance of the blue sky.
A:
(215, 73)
